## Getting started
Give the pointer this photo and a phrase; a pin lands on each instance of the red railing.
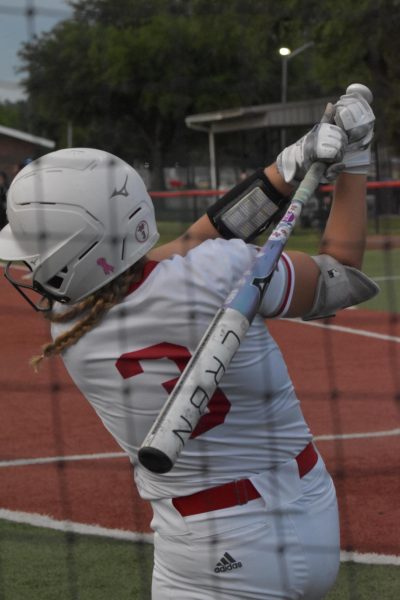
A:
(188, 204)
(188, 193)
(371, 185)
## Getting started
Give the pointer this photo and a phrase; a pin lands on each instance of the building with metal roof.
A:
(278, 115)
(17, 146)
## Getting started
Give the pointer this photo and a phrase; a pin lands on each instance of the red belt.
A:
(235, 492)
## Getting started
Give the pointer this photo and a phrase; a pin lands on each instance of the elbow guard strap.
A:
(247, 209)
(338, 287)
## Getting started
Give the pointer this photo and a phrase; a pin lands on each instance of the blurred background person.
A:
(3, 198)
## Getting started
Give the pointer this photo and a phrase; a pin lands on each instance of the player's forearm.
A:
(203, 228)
(345, 232)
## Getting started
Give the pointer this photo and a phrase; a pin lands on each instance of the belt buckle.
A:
(241, 491)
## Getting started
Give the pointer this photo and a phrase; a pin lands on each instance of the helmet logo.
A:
(105, 266)
(142, 231)
(121, 192)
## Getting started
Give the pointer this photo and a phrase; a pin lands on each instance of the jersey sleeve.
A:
(223, 263)
(278, 297)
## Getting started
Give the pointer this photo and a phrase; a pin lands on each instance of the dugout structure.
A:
(277, 115)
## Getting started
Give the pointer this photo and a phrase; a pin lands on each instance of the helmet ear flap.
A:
(142, 233)
(57, 280)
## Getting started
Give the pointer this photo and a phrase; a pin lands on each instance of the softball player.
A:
(249, 511)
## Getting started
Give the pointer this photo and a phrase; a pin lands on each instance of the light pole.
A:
(286, 55)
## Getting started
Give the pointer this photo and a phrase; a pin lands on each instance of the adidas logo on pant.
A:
(227, 563)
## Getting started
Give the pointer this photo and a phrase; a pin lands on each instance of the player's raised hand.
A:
(353, 113)
(324, 143)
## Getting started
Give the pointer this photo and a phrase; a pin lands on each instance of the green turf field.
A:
(41, 564)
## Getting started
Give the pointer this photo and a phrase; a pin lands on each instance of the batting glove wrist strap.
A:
(357, 161)
(248, 208)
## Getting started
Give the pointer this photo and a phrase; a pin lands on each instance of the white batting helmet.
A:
(78, 218)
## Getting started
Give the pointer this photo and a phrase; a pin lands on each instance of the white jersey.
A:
(129, 363)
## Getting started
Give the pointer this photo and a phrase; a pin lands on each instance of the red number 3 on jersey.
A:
(129, 366)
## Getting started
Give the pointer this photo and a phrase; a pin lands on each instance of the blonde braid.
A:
(72, 312)
(92, 309)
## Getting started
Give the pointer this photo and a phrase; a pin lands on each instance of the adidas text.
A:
(227, 563)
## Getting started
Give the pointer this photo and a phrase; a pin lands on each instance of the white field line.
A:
(25, 462)
(352, 330)
(370, 558)
(37, 520)
(386, 278)
(355, 436)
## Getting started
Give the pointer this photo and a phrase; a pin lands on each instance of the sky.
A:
(15, 29)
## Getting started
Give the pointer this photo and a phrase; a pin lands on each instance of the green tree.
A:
(127, 73)
(15, 115)
(358, 40)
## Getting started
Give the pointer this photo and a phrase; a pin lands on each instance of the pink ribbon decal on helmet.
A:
(105, 266)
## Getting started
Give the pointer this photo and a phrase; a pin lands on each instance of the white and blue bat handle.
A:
(189, 399)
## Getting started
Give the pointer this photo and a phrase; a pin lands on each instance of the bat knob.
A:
(361, 90)
(154, 460)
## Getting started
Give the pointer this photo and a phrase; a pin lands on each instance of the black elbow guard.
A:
(247, 209)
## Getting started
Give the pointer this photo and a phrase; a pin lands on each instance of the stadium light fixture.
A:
(286, 55)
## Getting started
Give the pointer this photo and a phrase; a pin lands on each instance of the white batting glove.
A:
(325, 143)
(355, 116)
